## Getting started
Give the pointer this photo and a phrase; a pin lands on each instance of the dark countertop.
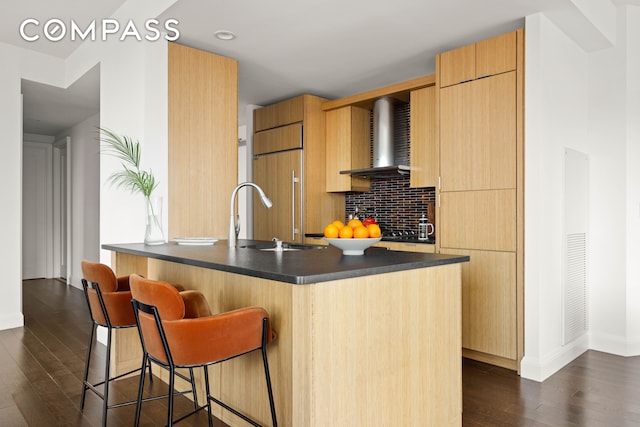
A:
(297, 267)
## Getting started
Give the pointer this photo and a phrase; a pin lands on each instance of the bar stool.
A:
(173, 341)
(109, 301)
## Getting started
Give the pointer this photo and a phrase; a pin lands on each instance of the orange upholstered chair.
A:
(171, 339)
(109, 301)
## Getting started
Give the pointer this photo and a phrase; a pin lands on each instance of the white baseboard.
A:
(614, 344)
(537, 369)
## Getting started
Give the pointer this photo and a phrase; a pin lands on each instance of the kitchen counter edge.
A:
(299, 267)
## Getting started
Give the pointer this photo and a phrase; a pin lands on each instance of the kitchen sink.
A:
(286, 247)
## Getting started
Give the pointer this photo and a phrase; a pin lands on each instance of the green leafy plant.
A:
(131, 177)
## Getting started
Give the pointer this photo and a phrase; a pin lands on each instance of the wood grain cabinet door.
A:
(423, 137)
(489, 306)
(278, 139)
(457, 65)
(496, 55)
(279, 175)
(478, 134)
(347, 148)
(478, 220)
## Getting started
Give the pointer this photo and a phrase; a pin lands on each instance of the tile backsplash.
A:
(393, 203)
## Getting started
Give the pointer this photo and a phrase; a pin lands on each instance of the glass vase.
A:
(153, 234)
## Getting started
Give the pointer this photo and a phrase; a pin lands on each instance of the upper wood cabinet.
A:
(202, 141)
(348, 124)
(486, 58)
(423, 138)
(278, 139)
(347, 144)
(478, 134)
(279, 114)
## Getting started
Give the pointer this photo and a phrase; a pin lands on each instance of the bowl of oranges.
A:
(354, 237)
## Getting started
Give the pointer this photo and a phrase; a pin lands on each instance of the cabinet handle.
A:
(484, 76)
(465, 81)
(293, 205)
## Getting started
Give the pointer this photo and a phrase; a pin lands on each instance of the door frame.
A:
(62, 209)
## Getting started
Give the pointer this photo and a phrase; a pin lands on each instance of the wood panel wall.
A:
(203, 141)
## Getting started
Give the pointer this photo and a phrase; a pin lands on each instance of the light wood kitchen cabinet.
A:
(479, 60)
(279, 139)
(279, 114)
(478, 134)
(348, 146)
(279, 175)
(480, 95)
(423, 137)
(296, 127)
(478, 220)
(489, 304)
(202, 141)
(349, 132)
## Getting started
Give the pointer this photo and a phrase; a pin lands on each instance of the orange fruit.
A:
(346, 232)
(361, 232)
(353, 223)
(374, 230)
(331, 231)
(338, 223)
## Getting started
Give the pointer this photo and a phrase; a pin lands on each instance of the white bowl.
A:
(352, 246)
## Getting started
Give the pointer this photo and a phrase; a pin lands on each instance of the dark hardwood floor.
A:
(41, 367)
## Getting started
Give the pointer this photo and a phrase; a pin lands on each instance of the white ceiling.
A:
(331, 48)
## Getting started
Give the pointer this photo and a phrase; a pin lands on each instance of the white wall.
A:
(85, 196)
(133, 101)
(556, 117)
(607, 123)
(581, 100)
(16, 64)
(632, 24)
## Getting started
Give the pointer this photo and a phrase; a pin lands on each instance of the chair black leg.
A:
(207, 392)
(269, 389)
(107, 373)
(150, 373)
(266, 373)
(145, 360)
(172, 372)
(86, 366)
(193, 389)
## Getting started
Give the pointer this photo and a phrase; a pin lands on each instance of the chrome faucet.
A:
(234, 228)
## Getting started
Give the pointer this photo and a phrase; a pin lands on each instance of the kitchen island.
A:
(371, 340)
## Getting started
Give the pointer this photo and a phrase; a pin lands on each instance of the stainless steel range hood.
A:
(384, 163)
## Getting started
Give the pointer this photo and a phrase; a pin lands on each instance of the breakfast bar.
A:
(369, 340)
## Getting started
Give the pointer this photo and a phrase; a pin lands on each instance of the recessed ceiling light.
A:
(224, 35)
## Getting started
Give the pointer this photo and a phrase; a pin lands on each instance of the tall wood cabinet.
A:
(290, 165)
(480, 122)
(203, 141)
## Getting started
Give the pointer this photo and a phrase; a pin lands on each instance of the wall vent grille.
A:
(574, 264)
(575, 318)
